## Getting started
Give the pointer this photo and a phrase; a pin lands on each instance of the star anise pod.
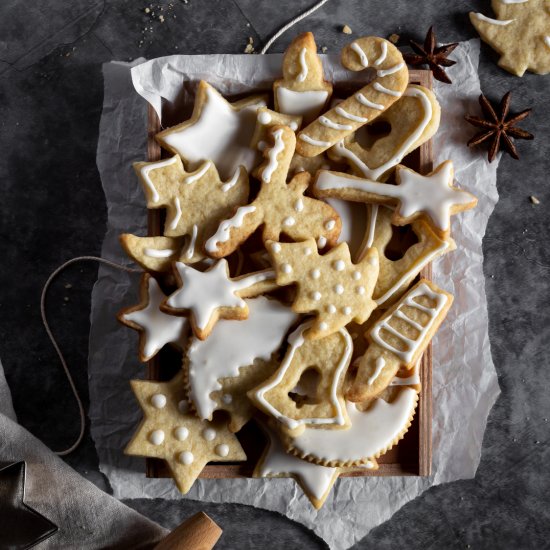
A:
(497, 127)
(434, 57)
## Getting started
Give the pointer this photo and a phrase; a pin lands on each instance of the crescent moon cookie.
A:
(302, 90)
(170, 432)
(195, 202)
(329, 358)
(331, 286)
(211, 295)
(157, 253)
(218, 131)
(279, 208)
(521, 34)
(399, 338)
(392, 78)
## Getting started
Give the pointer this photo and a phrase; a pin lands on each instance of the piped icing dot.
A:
(346, 310)
(181, 433)
(222, 450)
(286, 268)
(183, 407)
(209, 434)
(331, 308)
(323, 326)
(293, 125)
(373, 260)
(315, 273)
(360, 290)
(186, 457)
(276, 248)
(158, 401)
(316, 295)
(321, 242)
(156, 437)
(289, 221)
(329, 226)
(299, 205)
(339, 289)
(264, 117)
(307, 251)
(227, 398)
(356, 275)
(339, 265)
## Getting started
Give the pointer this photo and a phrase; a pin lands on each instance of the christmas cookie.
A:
(267, 118)
(302, 90)
(157, 253)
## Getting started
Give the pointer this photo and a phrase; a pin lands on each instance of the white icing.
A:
(186, 457)
(156, 437)
(222, 450)
(286, 268)
(307, 104)
(272, 164)
(299, 205)
(223, 232)
(339, 265)
(360, 290)
(339, 289)
(547, 40)
(380, 364)
(356, 275)
(316, 295)
(209, 434)
(385, 72)
(145, 174)
(221, 134)
(189, 253)
(161, 253)
(344, 114)
(235, 344)
(315, 273)
(334, 125)
(181, 433)
(323, 326)
(412, 380)
(383, 90)
(307, 251)
(329, 226)
(276, 247)
(295, 341)
(231, 182)
(303, 64)
(204, 292)
(177, 216)
(346, 310)
(198, 174)
(316, 142)
(370, 434)
(321, 242)
(158, 328)
(367, 103)
(331, 308)
(383, 54)
(363, 59)
(289, 221)
(410, 345)
(514, 1)
(158, 401)
(502, 22)
(264, 117)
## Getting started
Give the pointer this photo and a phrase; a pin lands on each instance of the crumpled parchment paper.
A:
(465, 384)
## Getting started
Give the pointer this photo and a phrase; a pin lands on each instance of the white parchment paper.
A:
(465, 385)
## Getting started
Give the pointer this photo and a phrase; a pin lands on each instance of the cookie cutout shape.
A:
(399, 338)
(521, 34)
(155, 253)
(211, 295)
(156, 328)
(233, 345)
(372, 433)
(169, 432)
(316, 481)
(432, 197)
(392, 77)
(217, 131)
(413, 119)
(195, 202)
(396, 275)
(302, 90)
(279, 207)
(330, 358)
(267, 118)
(333, 287)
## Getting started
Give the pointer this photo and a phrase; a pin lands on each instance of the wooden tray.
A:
(413, 455)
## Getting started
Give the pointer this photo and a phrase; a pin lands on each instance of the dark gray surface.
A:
(52, 209)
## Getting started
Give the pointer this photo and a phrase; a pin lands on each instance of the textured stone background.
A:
(52, 208)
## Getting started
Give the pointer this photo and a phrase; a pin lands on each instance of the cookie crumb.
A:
(65, 298)
(346, 29)
(161, 18)
(147, 10)
(68, 285)
(394, 38)
(250, 46)
(324, 49)
(534, 199)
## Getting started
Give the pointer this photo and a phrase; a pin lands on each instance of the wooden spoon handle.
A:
(198, 532)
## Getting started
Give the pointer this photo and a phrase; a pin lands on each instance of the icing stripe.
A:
(230, 183)
(383, 54)
(177, 217)
(502, 22)
(547, 40)
(334, 125)
(380, 364)
(514, 1)
(197, 176)
(363, 59)
(383, 90)
(189, 253)
(344, 114)
(364, 101)
(224, 230)
(303, 73)
(272, 155)
(316, 142)
(385, 72)
(147, 178)
(161, 253)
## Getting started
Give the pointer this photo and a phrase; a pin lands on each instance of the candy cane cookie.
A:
(392, 78)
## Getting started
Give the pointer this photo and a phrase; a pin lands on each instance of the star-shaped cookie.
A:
(170, 432)
(217, 130)
(195, 202)
(331, 286)
(212, 294)
(156, 328)
(432, 197)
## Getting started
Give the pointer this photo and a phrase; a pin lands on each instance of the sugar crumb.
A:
(346, 29)
(394, 38)
(534, 199)
(324, 49)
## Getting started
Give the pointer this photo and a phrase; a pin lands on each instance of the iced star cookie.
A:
(218, 131)
(280, 207)
(331, 286)
(392, 78)
(329, 357)
(521, 34)
(226, 360)
(195, 202)
(302, 90)
(157, 253)
(156, 328)
(399, 338)
(212, 294)
(170, 432)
